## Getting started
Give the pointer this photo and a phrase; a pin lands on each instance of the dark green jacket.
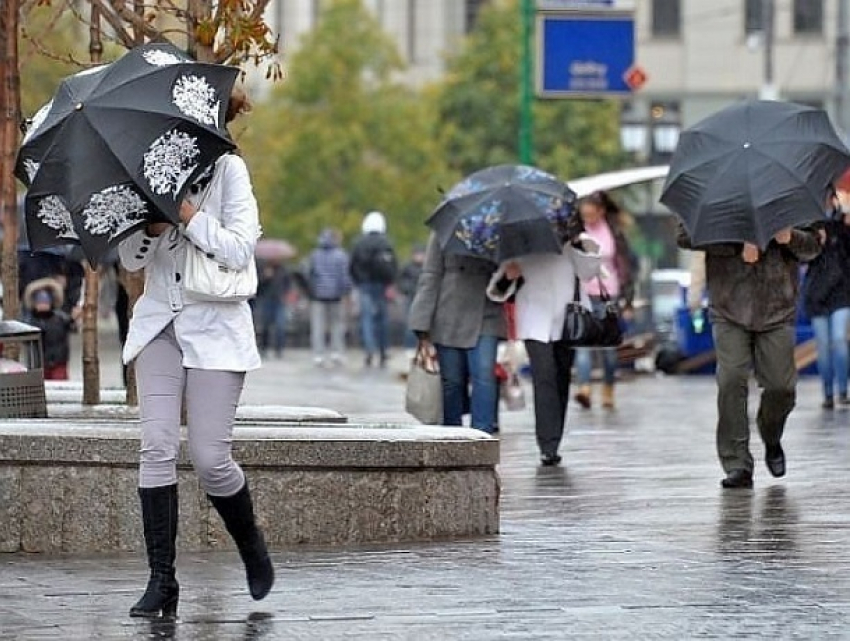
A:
(758, 296)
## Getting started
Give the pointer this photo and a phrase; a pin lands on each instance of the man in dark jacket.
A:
(753, 304)
(373, 269)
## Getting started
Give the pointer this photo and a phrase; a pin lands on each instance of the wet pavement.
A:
(631, 538)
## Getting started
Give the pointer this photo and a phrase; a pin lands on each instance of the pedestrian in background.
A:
(542, 285)
(43, 309)
(752, 298)
(329, 283)
(273, 284)
(452, 314)
(606, 223)
(194, 352)
(374, 268)
(826, 301)
(408, 279)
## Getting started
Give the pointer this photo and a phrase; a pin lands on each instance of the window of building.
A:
(666, 18)
(808, 16)
(753, 16)
(471, 10)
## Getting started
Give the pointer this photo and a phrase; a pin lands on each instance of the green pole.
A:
(526, 145)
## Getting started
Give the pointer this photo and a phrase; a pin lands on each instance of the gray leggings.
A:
(211, 400)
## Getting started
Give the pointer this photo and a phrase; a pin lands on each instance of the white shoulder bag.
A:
(207, 279)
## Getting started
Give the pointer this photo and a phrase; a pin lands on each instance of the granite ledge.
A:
(34, 442)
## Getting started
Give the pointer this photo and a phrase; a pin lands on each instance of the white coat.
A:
(212, 335)
(549, 281)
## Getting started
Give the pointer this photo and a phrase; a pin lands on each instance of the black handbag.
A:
(584, 328)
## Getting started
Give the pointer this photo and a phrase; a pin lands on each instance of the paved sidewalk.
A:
(632, 538)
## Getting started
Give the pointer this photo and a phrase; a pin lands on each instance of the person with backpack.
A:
(373, 269)
(329, 284)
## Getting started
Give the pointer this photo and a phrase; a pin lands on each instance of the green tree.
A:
(340, 138)
(479, 105)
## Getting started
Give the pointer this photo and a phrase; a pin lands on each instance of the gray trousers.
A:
(771, 355)
(327, 316)
(211, 400)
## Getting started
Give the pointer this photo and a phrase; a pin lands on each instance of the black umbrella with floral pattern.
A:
(504, 211)
(120, 144)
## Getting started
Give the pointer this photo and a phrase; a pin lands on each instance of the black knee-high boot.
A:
(237, 512)
(159, 517)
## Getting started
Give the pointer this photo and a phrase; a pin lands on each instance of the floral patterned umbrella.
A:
(503, 212)
(119, 145)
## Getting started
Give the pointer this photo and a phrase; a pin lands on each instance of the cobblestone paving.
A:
(632, 538)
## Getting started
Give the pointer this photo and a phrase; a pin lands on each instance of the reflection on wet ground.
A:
(631, 538)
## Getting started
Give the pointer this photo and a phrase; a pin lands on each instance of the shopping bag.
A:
(424, 393)
(512, 392)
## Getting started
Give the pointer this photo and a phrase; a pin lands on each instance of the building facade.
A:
(425, 31)
(700, 56)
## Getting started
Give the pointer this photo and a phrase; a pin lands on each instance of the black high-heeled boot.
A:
(159, 517)
(237, 512)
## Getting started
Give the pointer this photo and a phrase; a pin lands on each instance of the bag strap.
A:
(510, 319)
(603, 293)
(576, 290)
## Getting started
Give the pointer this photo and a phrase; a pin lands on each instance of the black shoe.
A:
(843, 400)
(159, 518)
(828, 403)
(550, 459)
(775, 459)
(237, 512)
(738, 478)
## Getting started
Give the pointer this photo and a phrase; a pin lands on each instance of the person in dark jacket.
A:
(373, 269)
(273, 285)
(329, 284)
(407, 281)
(43, 309)
(752, 305)
(826, 301)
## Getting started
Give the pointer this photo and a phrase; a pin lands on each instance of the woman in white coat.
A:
(542, 285)
(201, 350)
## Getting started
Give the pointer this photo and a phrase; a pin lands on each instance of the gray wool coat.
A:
(451, 303)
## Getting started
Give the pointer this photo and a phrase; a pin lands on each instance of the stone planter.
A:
(70, 486)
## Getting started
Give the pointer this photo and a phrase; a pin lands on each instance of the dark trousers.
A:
(771, 354)
(550, 378)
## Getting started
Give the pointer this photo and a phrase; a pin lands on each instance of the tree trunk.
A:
(91, 359)
(10, 113)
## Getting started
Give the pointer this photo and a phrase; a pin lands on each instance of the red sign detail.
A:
(635, 77)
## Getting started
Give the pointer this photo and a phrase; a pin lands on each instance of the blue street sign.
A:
(584, 53)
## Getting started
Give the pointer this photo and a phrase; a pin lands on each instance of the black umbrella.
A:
(120, 145)
(502, 212)
(753, 169)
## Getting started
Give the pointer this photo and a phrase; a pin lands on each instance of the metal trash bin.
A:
(21, 371)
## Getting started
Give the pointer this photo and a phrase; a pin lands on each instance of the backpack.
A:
(381, 264)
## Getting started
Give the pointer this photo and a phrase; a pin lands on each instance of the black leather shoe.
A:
(550, 459)
(775, 459)
(738, 478)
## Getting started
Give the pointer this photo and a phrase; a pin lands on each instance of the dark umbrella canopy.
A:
(120, 145)
(753, 169)
(503, 212)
